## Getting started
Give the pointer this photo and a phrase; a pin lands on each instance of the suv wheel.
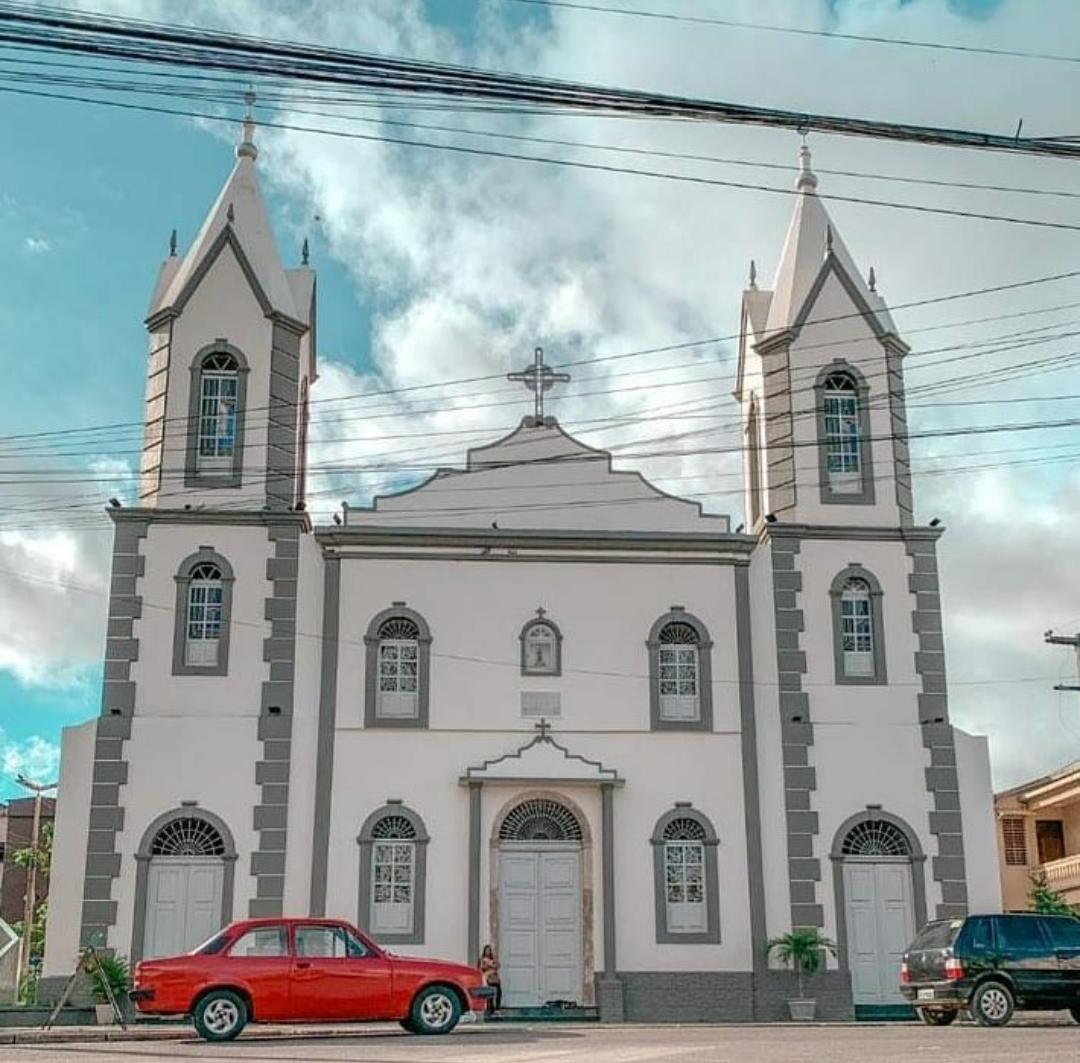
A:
(435, 1010)
(220, 1015)
(936, 1016)
(992, 1004)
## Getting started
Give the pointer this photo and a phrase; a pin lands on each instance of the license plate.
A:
(926, 994)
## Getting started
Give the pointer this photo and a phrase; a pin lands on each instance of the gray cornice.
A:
(847, 531)
(257, 518)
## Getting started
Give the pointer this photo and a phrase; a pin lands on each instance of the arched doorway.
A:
(539, 901)
(184, 884)
(880, 902)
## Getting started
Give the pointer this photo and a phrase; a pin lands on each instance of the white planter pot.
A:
(105, 1014)
(802, 1010)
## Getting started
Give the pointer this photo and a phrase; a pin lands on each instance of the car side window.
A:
(328, 942)
(978, 939)
(262, 941)
(1064, 931)
(1021, 934)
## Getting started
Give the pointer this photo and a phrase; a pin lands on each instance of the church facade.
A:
(534, 702)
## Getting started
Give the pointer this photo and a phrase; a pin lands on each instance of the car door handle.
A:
(302, 965)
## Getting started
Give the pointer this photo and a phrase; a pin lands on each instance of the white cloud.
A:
(36, 245)
(35, 757)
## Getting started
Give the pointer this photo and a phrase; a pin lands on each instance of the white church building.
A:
(534, 701)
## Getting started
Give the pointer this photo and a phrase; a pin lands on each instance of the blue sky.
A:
(432, 267)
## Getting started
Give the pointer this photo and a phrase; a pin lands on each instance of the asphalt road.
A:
(595, 1044)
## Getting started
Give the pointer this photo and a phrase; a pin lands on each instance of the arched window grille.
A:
(187, 836)
(679, 672)
(842, 434)
(393, 875)
(219, 386)
(399, 668)
(875, 837)
(205, 616)
(857, 628)
(540, 820)
(687, 879)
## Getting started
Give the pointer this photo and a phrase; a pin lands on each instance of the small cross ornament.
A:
(539, 378)
(543, 727)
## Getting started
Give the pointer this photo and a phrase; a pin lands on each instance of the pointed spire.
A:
(807, 181)
(304, 252)
(753, 274)
(872, 281)
(172, 244)
(246, 148)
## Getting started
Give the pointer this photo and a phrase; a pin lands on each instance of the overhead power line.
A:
(103, 36)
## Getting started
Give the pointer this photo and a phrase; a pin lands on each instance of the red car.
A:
(304, 970)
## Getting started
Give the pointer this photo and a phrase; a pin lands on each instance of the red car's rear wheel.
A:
(220, 1015)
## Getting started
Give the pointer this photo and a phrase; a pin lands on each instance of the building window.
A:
(393, 862)
(844, 437)
(875, 838)
(541, 647)
(203, 608)
(1014, 837)
(687, 889)
(857, 627)
(540, 820)
(680, 675)
(216, 417)
(188, 836)
(398, 663)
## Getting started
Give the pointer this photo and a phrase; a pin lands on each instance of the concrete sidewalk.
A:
(181, 1031)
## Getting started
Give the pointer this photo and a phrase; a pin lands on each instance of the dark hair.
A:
(487, 950)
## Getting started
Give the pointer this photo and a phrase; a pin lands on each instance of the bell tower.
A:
(232, 355)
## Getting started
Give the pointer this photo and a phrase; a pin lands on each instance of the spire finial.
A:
(753, 274)
(807, 181)
(828, 239)
(230, 214)
(172, 244)
(304, 253)
(246, 148)
(872, 279)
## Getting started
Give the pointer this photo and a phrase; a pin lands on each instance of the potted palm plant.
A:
(113, 970)
(803, 950)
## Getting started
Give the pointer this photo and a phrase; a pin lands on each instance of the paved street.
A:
(626, 1044)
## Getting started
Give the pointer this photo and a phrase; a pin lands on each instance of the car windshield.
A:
(938, 935)
(211, 946)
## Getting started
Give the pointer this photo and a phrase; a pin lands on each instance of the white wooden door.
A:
(183, 904)
(880, 923)
(540, 926)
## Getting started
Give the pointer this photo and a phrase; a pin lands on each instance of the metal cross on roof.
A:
(539, 378)
(543, 727)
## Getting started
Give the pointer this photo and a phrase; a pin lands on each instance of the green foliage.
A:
(1045, 900)
(112, 969)
(39, 857)
(803, 950)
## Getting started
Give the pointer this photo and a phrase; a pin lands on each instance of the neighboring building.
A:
(1039, 831)
(16, 832)
(534, 701)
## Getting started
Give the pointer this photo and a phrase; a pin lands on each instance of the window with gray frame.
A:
(857, 627)
(843, 446)
(686, 879)
(219, 386)
(680, 672)
(541, 647)
(398, 644)
(203, 611)
(393, 870)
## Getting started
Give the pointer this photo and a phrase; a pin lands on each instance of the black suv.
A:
(992, 964)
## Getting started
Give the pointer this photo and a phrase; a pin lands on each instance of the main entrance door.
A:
(540, 931)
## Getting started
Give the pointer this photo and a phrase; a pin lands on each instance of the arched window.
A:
(680, 672)
(857, 627)
(203, 608)
(398, 663)
(541, 647)
(844, 437)
(188, 836)
(540, 820)
(875, 838)
(393, 867)
(687, 888)
(216, 415)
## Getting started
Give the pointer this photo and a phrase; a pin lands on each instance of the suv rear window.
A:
(939, 935)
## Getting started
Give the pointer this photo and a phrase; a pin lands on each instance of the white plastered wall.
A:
(980, 824)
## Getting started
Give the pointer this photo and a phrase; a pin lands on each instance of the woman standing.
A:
(489, 968)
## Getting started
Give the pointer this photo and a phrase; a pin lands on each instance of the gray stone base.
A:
(50, 989)
(610, 1000)
(725, 996)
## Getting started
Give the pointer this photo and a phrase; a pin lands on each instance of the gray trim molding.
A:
(472, 948)
(371, 669)
(142, 871)
(609, 994)
(274, 728)
(711, 934)
(898, 430)
(916, 860)
(541, 620)
(704, 722)
(192, 476)
(283, 419)
(113, 729)
(855, 571)
(204, 555)
(864, 497)
(324, 755)
(796, 736)
(942, 781)
(366, 839)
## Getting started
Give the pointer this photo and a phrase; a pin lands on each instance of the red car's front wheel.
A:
(220, 1015)
(436, 1009)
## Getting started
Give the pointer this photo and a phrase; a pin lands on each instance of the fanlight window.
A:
(843, 457)
(684, 876)
(188, 836)
(540, 820)
(540, 651)
(205, 616)
(398, 663)
(218, 389)
(875, 837)
(679, 665)
(393, 875)
(857, 628)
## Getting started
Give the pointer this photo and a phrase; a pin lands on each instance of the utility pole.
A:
(1066, 640)
(23, 963)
